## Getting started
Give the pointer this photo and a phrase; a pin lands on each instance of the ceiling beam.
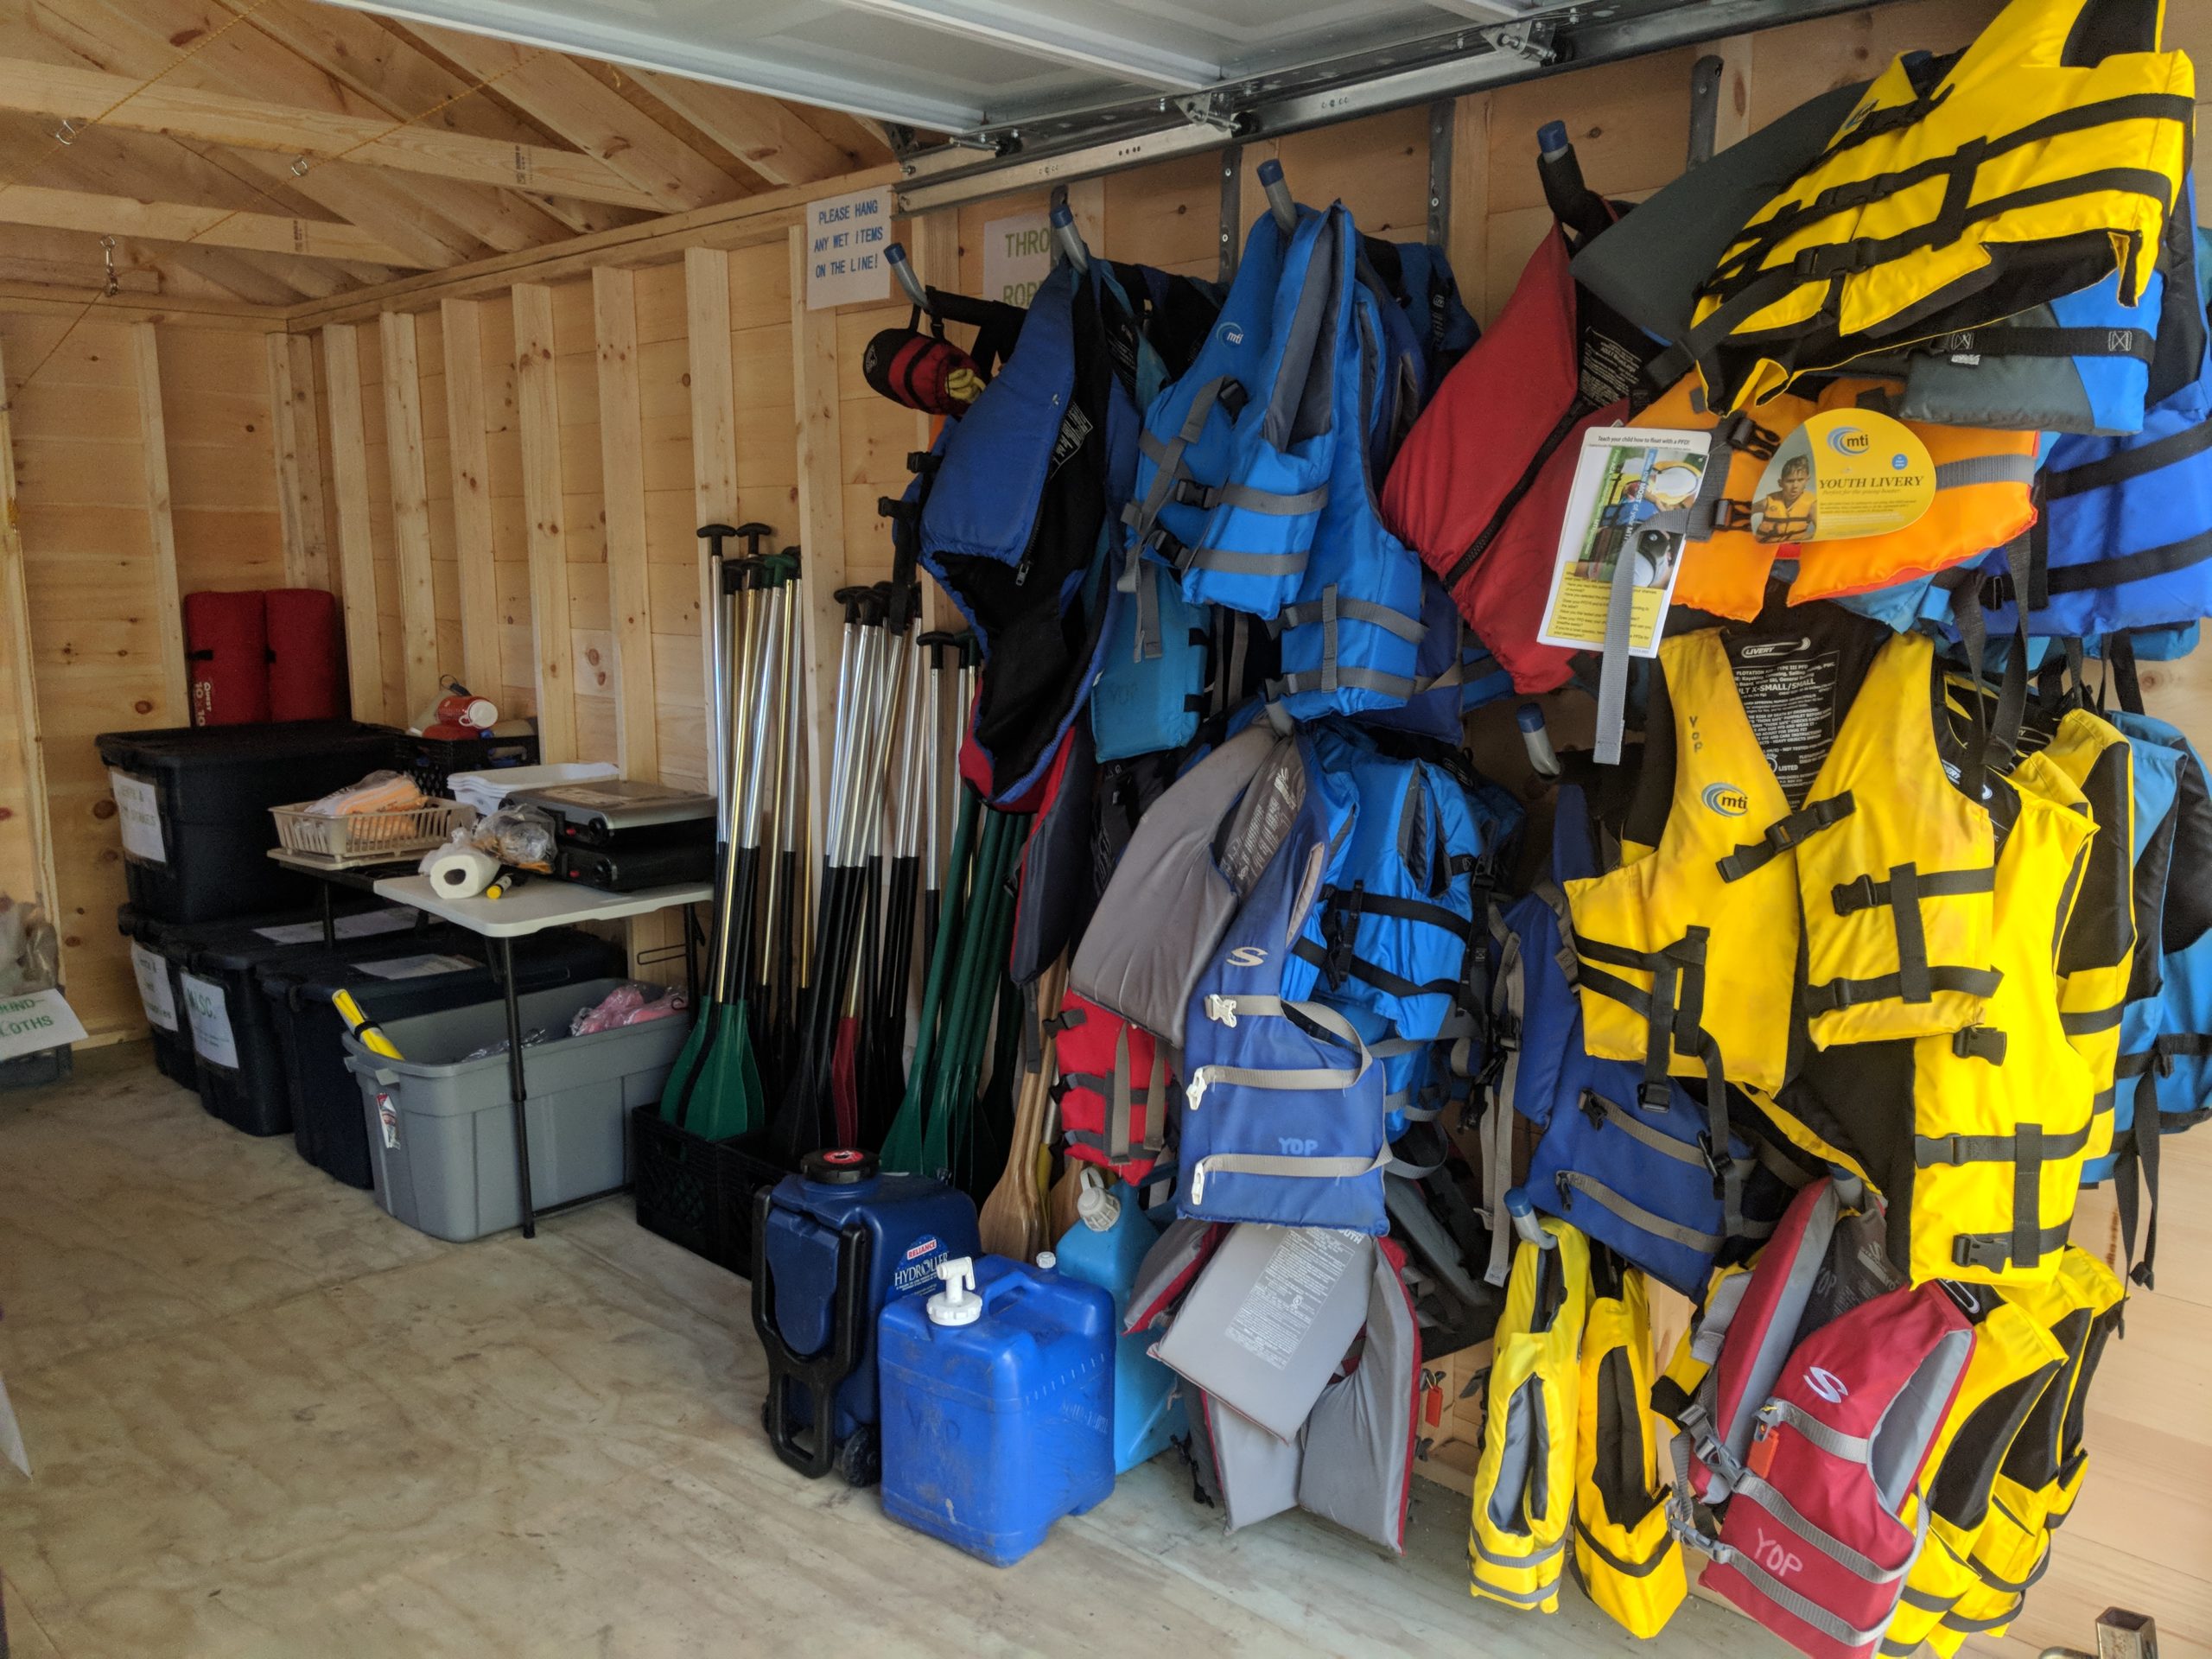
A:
(761, 132)
(187, 112)
(219, 227)
(634, 47)
(567, 98)
(1050, 32)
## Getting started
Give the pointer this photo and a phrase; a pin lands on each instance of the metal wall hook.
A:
(909, 280)
(1064, 234)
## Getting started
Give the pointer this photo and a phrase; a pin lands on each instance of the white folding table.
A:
(531, 908)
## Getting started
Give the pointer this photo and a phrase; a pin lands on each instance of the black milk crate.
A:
(697, 1192)
(433, 760)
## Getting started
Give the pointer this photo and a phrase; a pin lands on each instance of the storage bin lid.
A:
(224, 774)
(557, 957)
(232, 946)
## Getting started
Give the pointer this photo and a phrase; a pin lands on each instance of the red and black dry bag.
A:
(226, 644)
(306, 680)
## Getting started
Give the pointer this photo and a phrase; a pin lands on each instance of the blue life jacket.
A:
(1631, 1174)
(1454, 675)
(1284, 1118)
(1254, 480)
(1419, 279)
(1392, 931)
(1151, 688)
(1017, 520)
(1234, 463)
(2165, 1030)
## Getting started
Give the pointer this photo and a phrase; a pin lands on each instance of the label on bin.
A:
(34, 1021)
(138, 815)
(416, 967)
(153, 973)
(388, 1121)
(210, 1014)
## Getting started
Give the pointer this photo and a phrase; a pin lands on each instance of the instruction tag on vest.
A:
(138, 817)
(153, 974)
(1620, 542)
(37, 1021)
(1845, 473)
(210, 1016)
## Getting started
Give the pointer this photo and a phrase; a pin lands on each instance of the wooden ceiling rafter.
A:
(234, 166)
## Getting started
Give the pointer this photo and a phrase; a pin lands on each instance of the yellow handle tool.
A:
(366, 1034)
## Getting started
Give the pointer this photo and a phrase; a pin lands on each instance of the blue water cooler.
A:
(1105, 1247)
(998, 1406)
(833, 1245)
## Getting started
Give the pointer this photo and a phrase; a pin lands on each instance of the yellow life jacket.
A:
(2013, 1358)
(2002, 1110)
(1524, 1482)
(2046, 157)
(2096, 957)
(1686, 954)
(1625, 1558)
(1983, 477)
(2041, 1475)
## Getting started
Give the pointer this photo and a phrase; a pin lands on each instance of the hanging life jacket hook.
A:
(1278, 198)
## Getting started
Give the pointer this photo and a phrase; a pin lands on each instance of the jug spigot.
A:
(958, 1303)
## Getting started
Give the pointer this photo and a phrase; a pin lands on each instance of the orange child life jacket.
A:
(1983, 477)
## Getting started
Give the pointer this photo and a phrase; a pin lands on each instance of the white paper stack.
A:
(487, 790)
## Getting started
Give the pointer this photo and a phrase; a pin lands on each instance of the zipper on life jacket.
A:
(1575, 411)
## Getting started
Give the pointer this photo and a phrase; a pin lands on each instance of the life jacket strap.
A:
(2083, 1022)
(1786, 834)
(1851, 1448)
(1356, 901)
(2122, 465)
(1864, 893)
(1836, 994)
(1971, 470)
(1277, 1164)
(1538, 1556)
(1584, 1539)
(1571, 1181)
(1994, 1252)
(2025, 341)
(1601, 1112)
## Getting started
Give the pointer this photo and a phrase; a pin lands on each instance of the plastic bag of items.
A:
(380, 792)
(630, 1004)
(30, 950)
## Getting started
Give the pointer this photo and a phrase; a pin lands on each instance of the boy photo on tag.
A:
(1786, 513)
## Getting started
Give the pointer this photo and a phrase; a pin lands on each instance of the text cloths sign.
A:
(36, 1021)
(845, 240)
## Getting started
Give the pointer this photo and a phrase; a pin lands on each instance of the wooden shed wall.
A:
(501, 470)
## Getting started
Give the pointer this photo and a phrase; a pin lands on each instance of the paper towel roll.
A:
(461, 873)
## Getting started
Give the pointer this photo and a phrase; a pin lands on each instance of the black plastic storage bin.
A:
(160, 994)
(233, 1036)
(194, 803)
(326, 1099)
(434, 759)
(698, 1193)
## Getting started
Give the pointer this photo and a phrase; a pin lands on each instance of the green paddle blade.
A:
(726, 1096)
(673, 1093)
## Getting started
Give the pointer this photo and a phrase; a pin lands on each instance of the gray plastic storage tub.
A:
(441, 1132)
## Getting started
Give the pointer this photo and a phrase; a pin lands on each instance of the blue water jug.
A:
(1105, 1247)
(998, 1402)
(832, 1245)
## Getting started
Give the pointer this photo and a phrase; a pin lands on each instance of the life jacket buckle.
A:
(1828, 259)
(922, 460)
(1715, 1162)
(1222, 1010)
(1730, 514)
(1593, 1108)
(1979, 1043)
(2162, 1058)
(1188, 492)
(1340, 930)
(1855, 894)
(1565, 1188)
(1170, 546)
(1654, 1094)
(1232, 397)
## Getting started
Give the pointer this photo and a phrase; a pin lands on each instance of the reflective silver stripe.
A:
(1519, 1597)
(1795, 1605)
(1276, 1164)
(1245, 499)
(1751, 1486)
(1359, 610)
(1638, 1216)
(1985, 469)
(1542, 1554)
(1637, 1130)
(1850, 1447)
(1236, 563)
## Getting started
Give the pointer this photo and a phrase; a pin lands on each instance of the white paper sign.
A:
(365, 925)
(35, 1020)
(416, 967)
(138, 815)
(845, 240)
(210, 1014)
(1017, 256)
(153, 973)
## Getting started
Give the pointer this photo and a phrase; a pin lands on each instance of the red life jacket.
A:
(1813, 1440)
(1114, 1088)
(1480, 485)
(227, 643)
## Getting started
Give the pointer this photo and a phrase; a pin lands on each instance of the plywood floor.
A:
(264, 1419)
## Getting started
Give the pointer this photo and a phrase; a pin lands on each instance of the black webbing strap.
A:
(1902, 893)
(2122, 465)
(1784, 834)
(1356, 901)
(1839, 993)
(2120, 653)
(1338, 966)
(1995, 739)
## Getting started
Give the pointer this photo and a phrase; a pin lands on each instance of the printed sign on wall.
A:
(845, 240)
(36, 1021)
(1017, 256)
